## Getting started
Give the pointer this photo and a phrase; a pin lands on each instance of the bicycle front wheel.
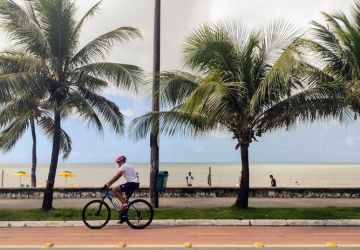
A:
(139, 214)
(96, 214)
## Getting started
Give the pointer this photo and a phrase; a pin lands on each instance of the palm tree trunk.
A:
(243, 195)
(154, 135)
(34, 158)
(48, 195)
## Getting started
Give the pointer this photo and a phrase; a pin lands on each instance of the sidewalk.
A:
(197, 202)
(192, 222)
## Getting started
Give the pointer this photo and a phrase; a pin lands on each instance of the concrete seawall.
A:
(180, 192)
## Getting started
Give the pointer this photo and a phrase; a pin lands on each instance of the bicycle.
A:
(138, 214)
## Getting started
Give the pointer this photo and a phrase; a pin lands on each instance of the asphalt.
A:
(176, 237)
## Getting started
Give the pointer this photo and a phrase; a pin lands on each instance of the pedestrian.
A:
(189, 179)
(209, 177)
(273, 181)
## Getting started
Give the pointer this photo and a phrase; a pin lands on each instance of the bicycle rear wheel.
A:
(139, 214)
(96, 214)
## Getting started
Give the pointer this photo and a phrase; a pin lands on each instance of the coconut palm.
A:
(21, 112)
(154, 134)
(73, 77)
(245, 82)
(336, 46)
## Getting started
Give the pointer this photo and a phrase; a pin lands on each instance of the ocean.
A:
(223, 174)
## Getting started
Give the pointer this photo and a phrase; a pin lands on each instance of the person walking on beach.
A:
(189, 179)
(132, 182)
(273, 181)
(209, 177)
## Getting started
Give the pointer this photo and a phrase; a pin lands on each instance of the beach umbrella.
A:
(66, 174)
(20, 174)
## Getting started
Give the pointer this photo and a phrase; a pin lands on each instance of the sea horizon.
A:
(298, 174)
(202, 162)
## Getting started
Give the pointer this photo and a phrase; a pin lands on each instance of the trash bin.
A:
(161, 181)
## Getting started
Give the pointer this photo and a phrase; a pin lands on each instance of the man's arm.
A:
(115, 178)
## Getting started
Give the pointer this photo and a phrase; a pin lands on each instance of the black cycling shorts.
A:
(129, 188)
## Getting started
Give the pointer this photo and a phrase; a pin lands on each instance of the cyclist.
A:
(132, 182)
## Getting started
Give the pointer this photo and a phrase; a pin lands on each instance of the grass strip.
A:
(192, 213)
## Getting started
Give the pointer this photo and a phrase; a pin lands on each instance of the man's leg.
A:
(118, 194)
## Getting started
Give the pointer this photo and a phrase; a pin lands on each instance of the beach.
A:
(223, 174)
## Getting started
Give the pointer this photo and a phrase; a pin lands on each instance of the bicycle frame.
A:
(110, 195)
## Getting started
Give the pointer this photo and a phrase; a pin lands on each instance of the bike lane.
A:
(178, 235)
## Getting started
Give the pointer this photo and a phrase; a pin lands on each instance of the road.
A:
(177, 235)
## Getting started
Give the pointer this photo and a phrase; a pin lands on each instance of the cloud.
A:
(199, 150)
(135, 110)
(113, 91)
(352, 141)
(331, 125)
(219, 134)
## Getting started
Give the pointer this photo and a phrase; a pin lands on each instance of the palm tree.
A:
(154, 135)
(17, 115)
(19, 112)
(73, 78)
(337, 46)
(246, 83)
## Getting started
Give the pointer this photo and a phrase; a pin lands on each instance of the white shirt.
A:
(189, 179)
(129, 173)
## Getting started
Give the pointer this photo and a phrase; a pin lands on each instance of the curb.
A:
(355, 222)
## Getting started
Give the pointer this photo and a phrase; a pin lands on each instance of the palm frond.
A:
(172, 123)
(124, 76)
(19, 106)
(10, 135)
(323, 101)
(176, 87)
(278, 80)
(90, 82)
(278, 35)
(209, 48)
(47, 125)
(86, 16)
(57, 21)
(19, 81)
(107, 110)
(13, 61)
(23, 27)
(81, 108)
(100, 46)
(222, 99)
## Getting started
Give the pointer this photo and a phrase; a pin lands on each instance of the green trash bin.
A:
(161, 181)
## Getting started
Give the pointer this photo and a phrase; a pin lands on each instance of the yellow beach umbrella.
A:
(20, 174)
(66, 174)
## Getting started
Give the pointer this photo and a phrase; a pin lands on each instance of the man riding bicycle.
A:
(132, 181)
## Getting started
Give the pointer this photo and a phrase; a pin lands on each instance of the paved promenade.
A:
(199, 202)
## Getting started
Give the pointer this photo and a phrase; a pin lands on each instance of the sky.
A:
(323, 141)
